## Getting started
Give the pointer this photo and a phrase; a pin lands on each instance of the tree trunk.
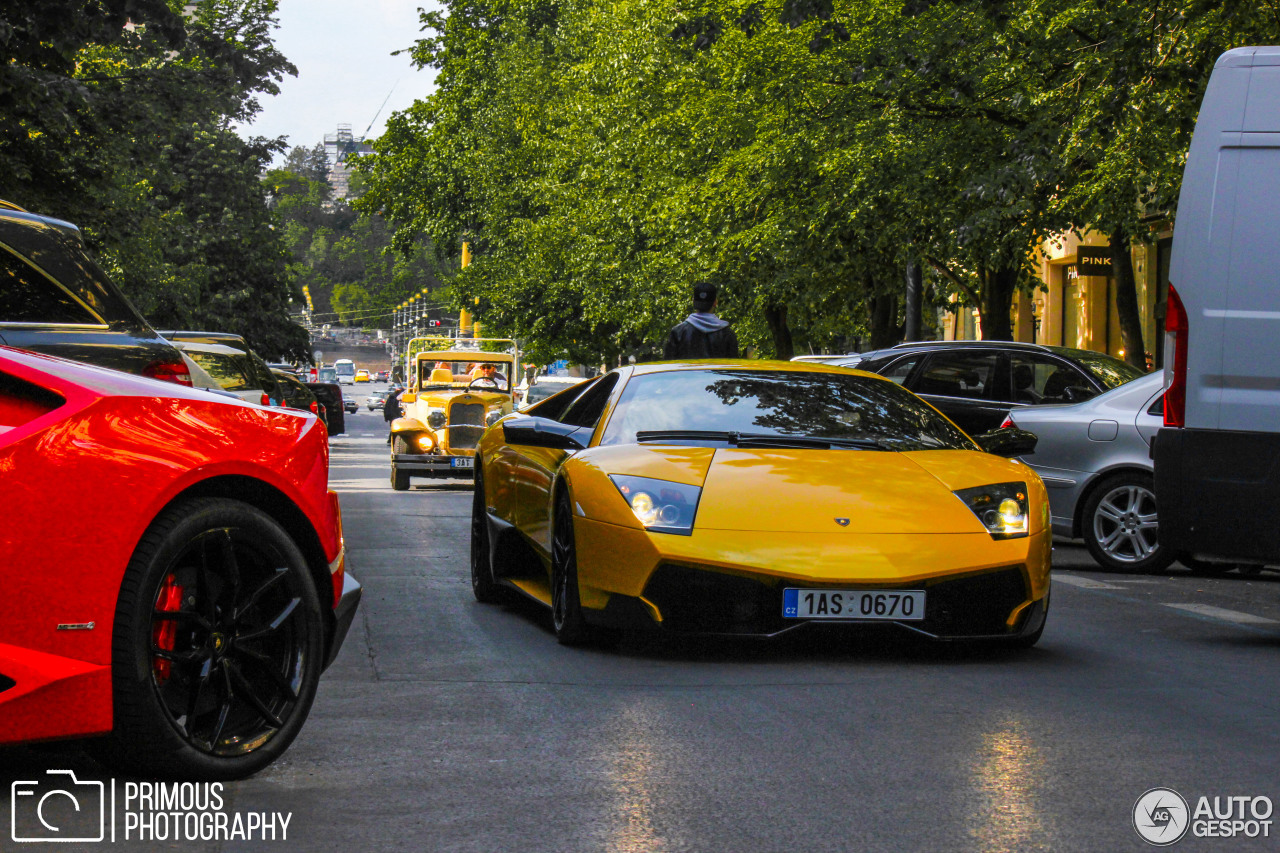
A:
(915, 295)
(1127, 300)
(776, 317)
(885, 331)
(996, 308)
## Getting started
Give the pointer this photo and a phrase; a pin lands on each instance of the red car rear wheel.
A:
(218, 644)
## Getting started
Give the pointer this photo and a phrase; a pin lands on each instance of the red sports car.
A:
(173, 569)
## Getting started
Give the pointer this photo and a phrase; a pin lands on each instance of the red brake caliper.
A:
(165, 631)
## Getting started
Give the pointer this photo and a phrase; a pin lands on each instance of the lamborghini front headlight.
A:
(660, 505)
(1002, 508)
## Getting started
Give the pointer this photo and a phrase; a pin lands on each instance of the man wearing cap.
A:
(702, 334)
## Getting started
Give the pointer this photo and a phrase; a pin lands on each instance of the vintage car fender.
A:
(402, 425)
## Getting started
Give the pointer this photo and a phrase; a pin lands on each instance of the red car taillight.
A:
(1176, 327)
(1008, 422)
(266, 399)
(315, 407)
(169, 371)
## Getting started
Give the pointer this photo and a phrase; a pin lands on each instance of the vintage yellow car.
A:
(749, 497)
(453, 396)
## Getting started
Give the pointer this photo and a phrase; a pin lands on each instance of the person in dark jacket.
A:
(391, 408)
(702, 334)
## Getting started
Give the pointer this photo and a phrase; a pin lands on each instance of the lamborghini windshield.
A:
(435, 374)
(773, 408)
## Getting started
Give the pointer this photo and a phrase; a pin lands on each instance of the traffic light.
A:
(434, 323)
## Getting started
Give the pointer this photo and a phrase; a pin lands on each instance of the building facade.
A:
(1074, 304)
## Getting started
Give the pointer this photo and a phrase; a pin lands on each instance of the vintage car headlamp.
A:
(426, 442)
(1002, 508)
(493, 417)
(436, 419)
(660, 505)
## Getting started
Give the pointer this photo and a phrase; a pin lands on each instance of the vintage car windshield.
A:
(436, 373)
(858, 410)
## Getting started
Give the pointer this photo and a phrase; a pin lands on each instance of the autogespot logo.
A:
(1160, 817)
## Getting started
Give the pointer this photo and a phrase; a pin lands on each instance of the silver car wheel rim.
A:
(1125, 524)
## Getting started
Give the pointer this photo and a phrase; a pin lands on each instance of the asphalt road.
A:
(450, 725)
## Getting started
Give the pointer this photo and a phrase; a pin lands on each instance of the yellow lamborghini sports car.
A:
(750, 497)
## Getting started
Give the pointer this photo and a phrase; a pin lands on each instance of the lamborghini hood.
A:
(826, 491)
(812, 490)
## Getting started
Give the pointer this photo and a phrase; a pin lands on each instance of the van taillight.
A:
(1175, 327)
(169, 371)
(266, 399)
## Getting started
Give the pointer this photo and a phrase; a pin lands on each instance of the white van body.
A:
(1217, 461)
(346, 370)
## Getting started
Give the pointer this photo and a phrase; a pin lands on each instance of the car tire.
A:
(399, 479)
(1119, 525)
(219, 692)
(483, 586)
(566, 607)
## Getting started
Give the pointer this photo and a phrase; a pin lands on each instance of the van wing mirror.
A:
(1008, 442)
(541, 432)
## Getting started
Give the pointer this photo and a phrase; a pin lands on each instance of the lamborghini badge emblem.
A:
(843, 522)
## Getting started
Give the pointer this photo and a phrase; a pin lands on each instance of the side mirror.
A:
(1008, 442)
(541, 432)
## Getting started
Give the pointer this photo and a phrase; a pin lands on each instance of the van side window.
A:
(26, 296)
(587, 409)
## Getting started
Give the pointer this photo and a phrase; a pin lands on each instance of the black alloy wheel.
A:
(218, 644)
(483, 586)
(566, 608)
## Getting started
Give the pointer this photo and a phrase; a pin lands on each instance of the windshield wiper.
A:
(750, 439)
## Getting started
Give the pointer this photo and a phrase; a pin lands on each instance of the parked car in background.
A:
(542, 388)
(54, 299)
(1094, 458)
(297, 395)
(237, 371)
(977, 383)
(261, 374)
(218, 600)
(330, 396)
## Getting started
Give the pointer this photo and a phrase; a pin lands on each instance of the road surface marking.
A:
(1223, 614)
(1083, 583)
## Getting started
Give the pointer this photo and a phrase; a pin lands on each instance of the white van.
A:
(346, 370)
(1217, 460)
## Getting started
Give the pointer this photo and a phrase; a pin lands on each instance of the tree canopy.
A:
(802, 154)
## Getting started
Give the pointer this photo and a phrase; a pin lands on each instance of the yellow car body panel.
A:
(778, 517)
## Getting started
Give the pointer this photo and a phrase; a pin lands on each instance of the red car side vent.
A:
(22, 402)
(169, 371)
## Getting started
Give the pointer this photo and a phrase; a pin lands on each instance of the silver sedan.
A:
(1094, 458)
